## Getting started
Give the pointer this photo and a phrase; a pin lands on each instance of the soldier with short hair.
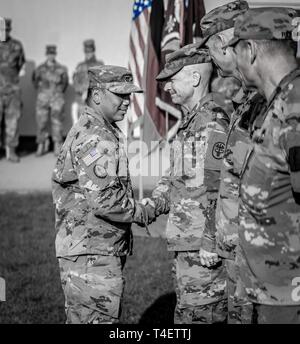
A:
(51, 81)
(80, 77)
(189, 191)
(94, 202)
(269, 229)
(217, 27)
(12, 59)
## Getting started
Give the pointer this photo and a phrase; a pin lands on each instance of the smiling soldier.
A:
(94, 202)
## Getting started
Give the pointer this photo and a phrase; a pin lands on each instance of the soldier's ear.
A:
(196, 79)
(96, 97)
(252, 48)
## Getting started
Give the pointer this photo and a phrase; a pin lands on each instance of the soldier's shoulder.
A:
(61, 67)
(214, 105)
(16, 43)
(81, 65)
(287, 103)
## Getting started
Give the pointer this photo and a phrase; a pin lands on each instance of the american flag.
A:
(138, 44)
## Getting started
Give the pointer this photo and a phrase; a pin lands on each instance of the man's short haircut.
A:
(284, 48)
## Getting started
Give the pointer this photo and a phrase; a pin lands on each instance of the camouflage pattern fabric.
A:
(92, 191)
(188, 55)
(199, 290)
(93, 286)
(10, 110)
(248, 106)
(12, 59)
(264, 23)
(51, 82)
(189, 192)
(222, 17)
(270, 203)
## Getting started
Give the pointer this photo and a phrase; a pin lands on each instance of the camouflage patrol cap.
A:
(264, 23)
(89, 45)
(188, 55)
(7, 24)
(222, 18)
(50, 49)
(114, 78)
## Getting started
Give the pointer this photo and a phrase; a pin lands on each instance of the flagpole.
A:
(167, 123)
(141, 191)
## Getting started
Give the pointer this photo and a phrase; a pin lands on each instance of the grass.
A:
(29, 266)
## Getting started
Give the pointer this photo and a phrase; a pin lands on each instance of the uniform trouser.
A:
(200, 291)
(53, 108)
(93, 286)
(240, 310)
(10, 114)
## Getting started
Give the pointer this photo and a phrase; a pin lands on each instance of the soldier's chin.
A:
(120, 115)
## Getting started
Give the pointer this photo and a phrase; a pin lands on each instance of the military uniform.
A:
(247, 105)
(269, 251)
(51, 82)
(80, 76)
(94, 205)
(12, 59)
(189, 194)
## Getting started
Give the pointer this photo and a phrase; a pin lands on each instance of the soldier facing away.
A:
(94, 204)
(269, 230)
(51, 81)
(12, 59)
(189, 190)
(80, 77)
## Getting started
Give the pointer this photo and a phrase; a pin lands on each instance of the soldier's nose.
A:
(167, 86)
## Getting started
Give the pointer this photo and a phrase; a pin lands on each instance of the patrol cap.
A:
(8, 22)
(222, 18)
(116, 79)
(264, 23)
(89, 46)
(50, 49)
(185, 56)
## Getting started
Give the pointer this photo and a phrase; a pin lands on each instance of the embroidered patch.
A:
(218, 150)
(92, 156)
(100, 171)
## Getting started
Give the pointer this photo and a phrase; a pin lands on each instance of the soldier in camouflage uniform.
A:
(189, 191)
(80, 76)
(94, 202)
(217, 27)
(12, 59)
(51, 81)
(269, 230)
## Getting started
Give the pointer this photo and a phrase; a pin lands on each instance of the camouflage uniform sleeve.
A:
(65, 79)
(21, 59)
(161, 194)
(107, 191)
(216, 137)
(291, 145)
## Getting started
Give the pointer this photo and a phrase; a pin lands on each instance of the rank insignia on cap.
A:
(93, 155)
(100, 171)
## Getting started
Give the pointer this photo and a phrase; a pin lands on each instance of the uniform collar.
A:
(284, 81)
(103, 121)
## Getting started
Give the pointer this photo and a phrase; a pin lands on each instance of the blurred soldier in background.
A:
(217, 27)
(94, 202)
(12, 59)
(189, 191)
(80, 77)
(269, 231)
(51, 81)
